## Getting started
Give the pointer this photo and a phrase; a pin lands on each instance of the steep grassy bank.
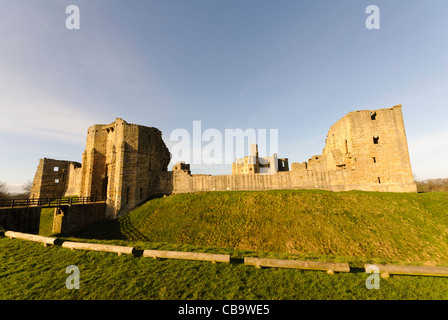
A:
(374, 226)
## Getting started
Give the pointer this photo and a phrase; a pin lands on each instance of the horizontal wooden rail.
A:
(330, 267)
(225, 258)
(31, 237)
(385, 270)
(98, 247)
(48, 202)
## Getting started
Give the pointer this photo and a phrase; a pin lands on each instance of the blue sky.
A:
(295, 66)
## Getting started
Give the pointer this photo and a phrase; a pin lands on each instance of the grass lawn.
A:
(30, 271)
(355, 227)
(373, 226)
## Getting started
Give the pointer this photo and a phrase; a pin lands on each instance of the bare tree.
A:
(3, 190)
(429, 185)
(26, 187)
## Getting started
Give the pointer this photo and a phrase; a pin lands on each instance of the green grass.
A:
(371, 226)
(46, 222)
(30, 271)
(354, 227)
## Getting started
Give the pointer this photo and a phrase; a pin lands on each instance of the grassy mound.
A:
(374, 226)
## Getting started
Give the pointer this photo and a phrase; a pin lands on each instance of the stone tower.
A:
(121, 163)
(372, 146)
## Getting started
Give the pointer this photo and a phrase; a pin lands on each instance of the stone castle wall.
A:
(370, 146)
(351, 160)
(178, 182)
(54, 177)
(20, 219)
(127, 164)
(69, 220)
(120, 163)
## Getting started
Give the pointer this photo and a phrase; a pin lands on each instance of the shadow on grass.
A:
(117, 229)
(357, 270)
(102, 230)
(138, 253)
(237, 260)
(130, 231)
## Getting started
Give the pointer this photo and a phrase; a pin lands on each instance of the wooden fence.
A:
(330, 267)
(31, 237)
(48, 202)
(386, 270)
(98, 247)
(187, 255)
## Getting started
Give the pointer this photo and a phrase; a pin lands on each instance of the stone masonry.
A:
(127, 164)
(121, 162)
(55, 178)
(254, 164)
(365, 150)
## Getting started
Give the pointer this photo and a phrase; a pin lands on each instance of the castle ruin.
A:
(128, 163)
(120, 163)
(254, 164)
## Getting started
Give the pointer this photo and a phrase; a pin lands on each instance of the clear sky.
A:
(296, 66)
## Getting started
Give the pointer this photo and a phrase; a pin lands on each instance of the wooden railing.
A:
(48, 202)
(330, 267)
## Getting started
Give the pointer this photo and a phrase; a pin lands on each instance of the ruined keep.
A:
(120, 163)
(255, 164)
(127, 163)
